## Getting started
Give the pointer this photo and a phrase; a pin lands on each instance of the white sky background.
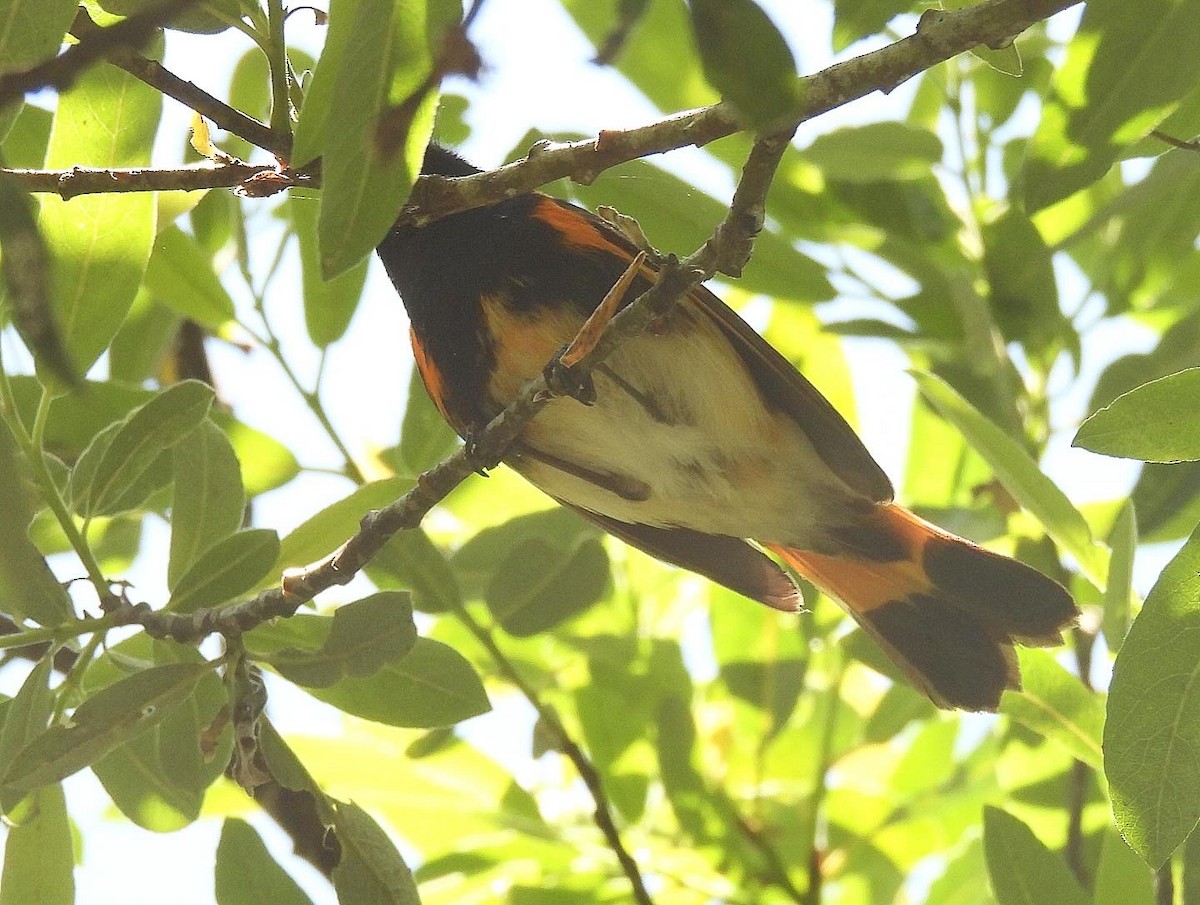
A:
(538, 75)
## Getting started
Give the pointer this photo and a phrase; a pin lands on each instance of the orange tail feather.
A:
(947, 612)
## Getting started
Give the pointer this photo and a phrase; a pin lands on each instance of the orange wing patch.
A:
(574, 230)
(430, 376)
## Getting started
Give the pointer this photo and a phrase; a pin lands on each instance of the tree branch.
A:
(93, 180)
(940, 35)
(60, 71)
(187, 93)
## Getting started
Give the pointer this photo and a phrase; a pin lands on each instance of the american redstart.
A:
(702, 442)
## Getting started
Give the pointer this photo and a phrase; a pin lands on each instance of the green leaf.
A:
(180, 275)
(411, 560)
(209, 503)
(433, 686)
(158, 778)
(365, 636)
(39, 854)
(112, 716)
(228, 568)
(540, 585)
(1119, 595)
(746, 58)
(1154, 422)
(371, 871)
(322, 533)
(328, 306)
(425, 437)
(1122, 878)
(1023, 293)
(25, 718)
(1152, 736)
(199, 21)
(377, 54)
(1126, 68)
(1055, 704)
(1020, 476)
(1022, 870)
(854, 19)
(32, 31)
(1167, 498)
(101, 243)
(479, 559)
(246, 872)
(144, 341)
(875, 152)
(103, 476)
(27, 586)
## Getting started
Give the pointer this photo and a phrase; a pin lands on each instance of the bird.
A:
(700, 443)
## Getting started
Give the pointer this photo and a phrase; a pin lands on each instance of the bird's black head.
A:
(441, 161)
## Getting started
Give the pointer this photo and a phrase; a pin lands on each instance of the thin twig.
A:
(187, 93)
(778, 873)
(61, 71)
(1176, 142)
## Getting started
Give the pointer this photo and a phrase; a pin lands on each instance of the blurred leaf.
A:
(410, 560)
(432, 686)
(209, 502)
(370, 870)
(28, 589)
(1191, 870)
(142, 344)
(106, 472)
(328, 306)
(672, 81)
(875, 152)
(681, 777)
(1021, 477)
(1152, 735)
(1153, 422)
(28, 136)
(854, 19)
(746, 58)
(25, 718)
(230, 567)
(365, 635)
(1122, 878)
(100, 243)
(1022, 870)
(539, 585)
(1126, 67)
(108, 718)
(1023, 292)
(322, 533)
(1119, 594)
(39, 854)
(960, 885)
(181, 276)
(1178, 350)
(479, 559)
(425, 437)
(246, 872)
(25, 290)
(1055, 704)
(1167, 498)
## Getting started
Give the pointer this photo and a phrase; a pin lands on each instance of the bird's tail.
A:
(946, 611)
